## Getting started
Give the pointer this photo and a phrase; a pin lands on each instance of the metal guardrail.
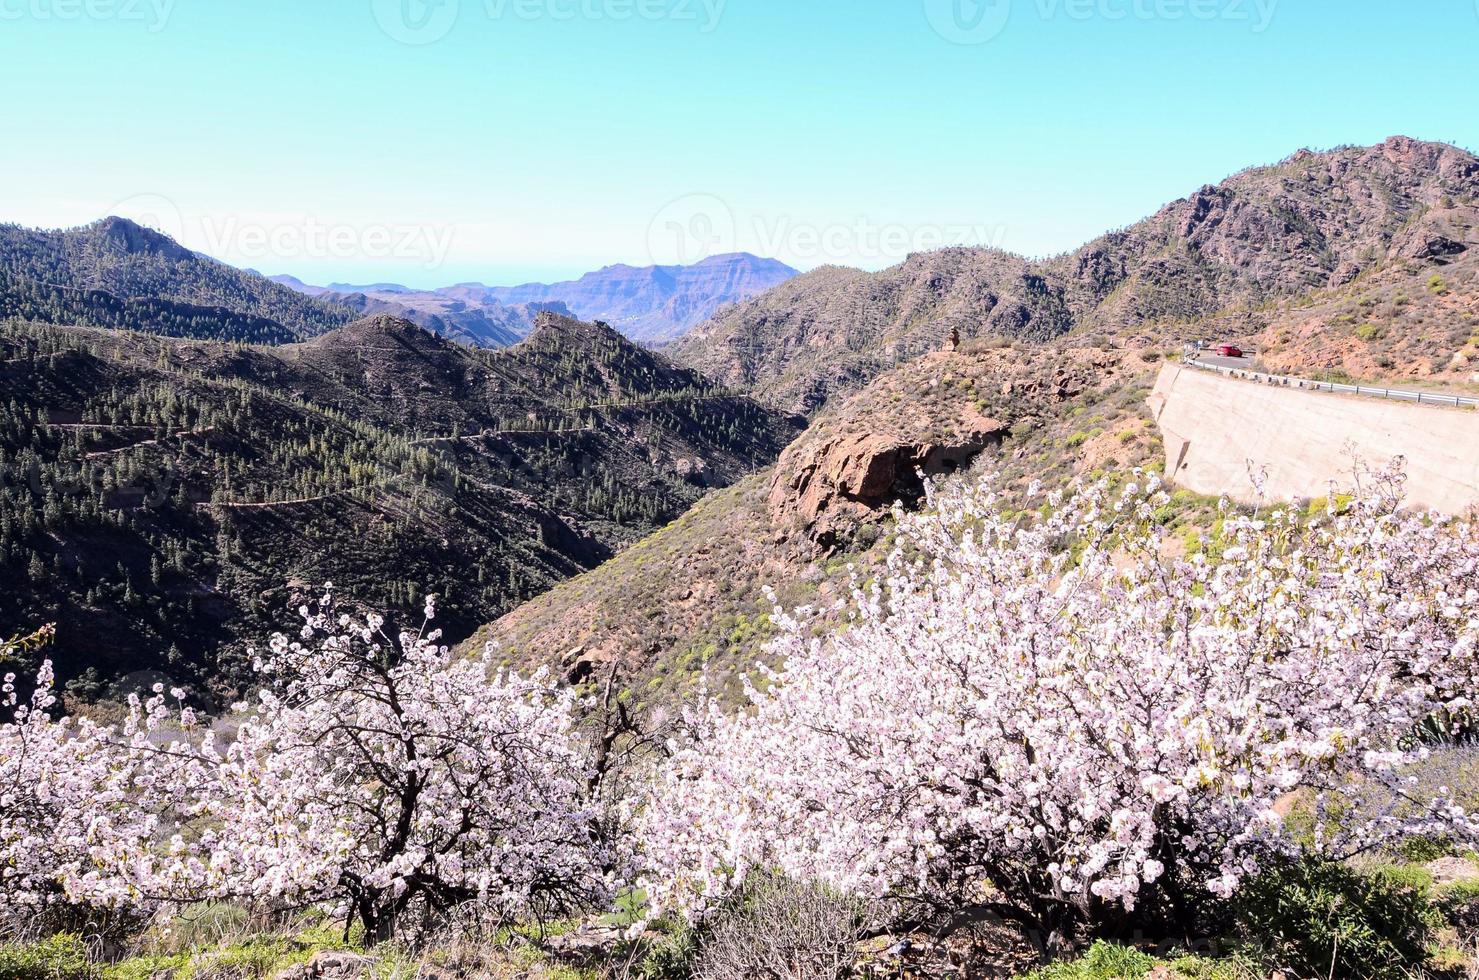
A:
(1284, 381)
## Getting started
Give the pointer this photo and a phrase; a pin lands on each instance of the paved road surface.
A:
(1245, 365)
(1236, 363)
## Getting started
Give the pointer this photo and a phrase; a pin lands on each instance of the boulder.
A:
(589, 943)
(330, 965)
(827, 488)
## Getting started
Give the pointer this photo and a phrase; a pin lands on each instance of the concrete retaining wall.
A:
(1216, 428)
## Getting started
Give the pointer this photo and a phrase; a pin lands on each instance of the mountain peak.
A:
(379, 329)
(1318, 220)
(550, 324)
(134, 238)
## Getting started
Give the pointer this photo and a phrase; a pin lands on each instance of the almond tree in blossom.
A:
(386, 780)
(1048, 719)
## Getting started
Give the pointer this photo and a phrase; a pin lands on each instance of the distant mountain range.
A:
(652, 304)
(464, 314)
(117, 274)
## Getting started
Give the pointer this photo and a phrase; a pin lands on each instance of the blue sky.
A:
(505, 140)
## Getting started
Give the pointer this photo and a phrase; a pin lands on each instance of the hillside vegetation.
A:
(1292, 260)
(698, 587)
(117, 274)
(174, 495)
(1024, 711)
(1314, 221)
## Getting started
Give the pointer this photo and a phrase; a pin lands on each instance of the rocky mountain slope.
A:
(1313, 221)
(163, 500)
(651, 304)
(688, 604)
(1412, 322)
(120, 275)
(1357, 261)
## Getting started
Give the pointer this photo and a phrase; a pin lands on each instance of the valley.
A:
(177, 495)
(923, 617)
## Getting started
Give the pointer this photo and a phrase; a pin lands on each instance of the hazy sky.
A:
(504, 140)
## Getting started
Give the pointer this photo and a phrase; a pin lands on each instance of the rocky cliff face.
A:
(834, 480)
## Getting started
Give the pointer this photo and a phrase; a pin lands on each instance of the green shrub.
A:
(1103, 961)
(1321, 918)
(1421, 850)
(1368, 332)
(1108, 961)
(62, 957)
(671, 955)
(1459, 906)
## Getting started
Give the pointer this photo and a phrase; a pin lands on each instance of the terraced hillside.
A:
(164, 500)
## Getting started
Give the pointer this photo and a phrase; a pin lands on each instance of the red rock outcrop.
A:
(825, 488)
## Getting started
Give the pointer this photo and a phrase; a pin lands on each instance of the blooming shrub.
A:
(386, 780)
(65, 786)
(1053, 720)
